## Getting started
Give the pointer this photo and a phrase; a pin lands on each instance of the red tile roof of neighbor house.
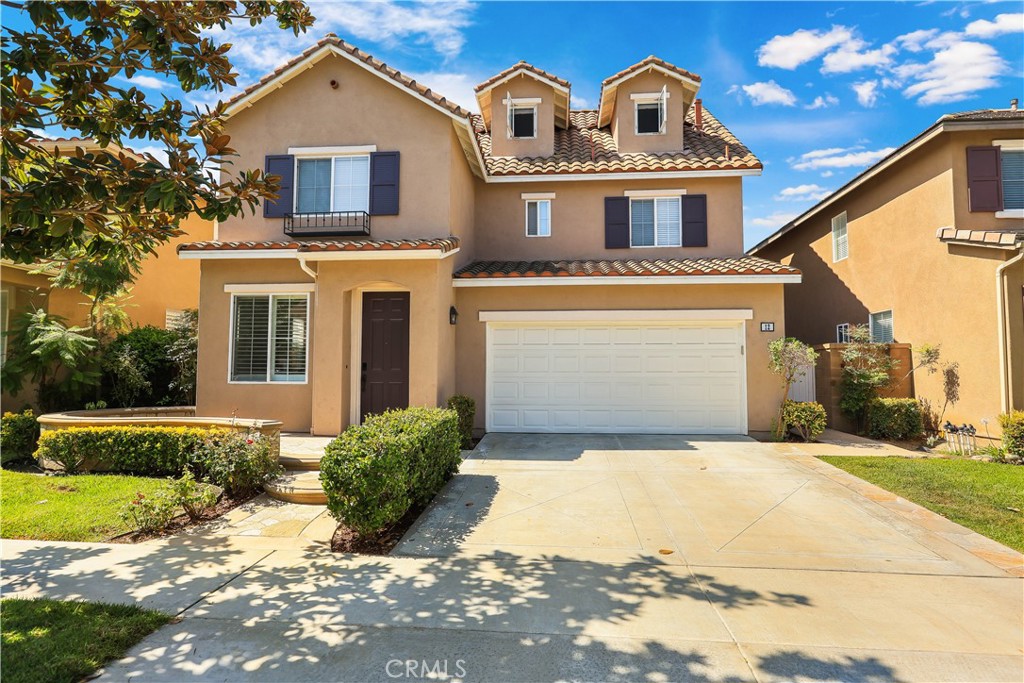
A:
(521, 64)
(746, 265)
(583, 147)
(652, 60)
(992, 238)
(444, 245)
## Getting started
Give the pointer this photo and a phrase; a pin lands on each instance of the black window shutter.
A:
(384, 183)
(282, 165)
(984, 179)
(695, 220)
(616, 222)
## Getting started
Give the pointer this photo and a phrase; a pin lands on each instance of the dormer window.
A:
(650, 113)
(522, 117)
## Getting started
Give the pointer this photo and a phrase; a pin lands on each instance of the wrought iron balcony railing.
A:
(328, 224)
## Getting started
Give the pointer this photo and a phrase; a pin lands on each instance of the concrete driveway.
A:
(600, 558)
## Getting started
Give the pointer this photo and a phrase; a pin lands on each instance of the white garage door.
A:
(671, 378)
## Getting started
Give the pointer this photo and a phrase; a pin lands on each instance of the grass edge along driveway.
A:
(50, 641)
(978, 495)
(81, 507)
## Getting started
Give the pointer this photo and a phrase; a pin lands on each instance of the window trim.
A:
(231, 338)
(846, 237)
(1013, 146)
(871, 325)
(526, 216)
(511, 121)
(332, 156)
(843, 333)
(655, 201)
(659, 98)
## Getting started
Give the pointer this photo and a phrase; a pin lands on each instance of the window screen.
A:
(655, 222)
(881, 327)
(1013, 178)
(538, 218)
(313, 188)
(523, 122)
(641, 219)
(648, 117)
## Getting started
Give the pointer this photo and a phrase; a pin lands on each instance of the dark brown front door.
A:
(385, 369)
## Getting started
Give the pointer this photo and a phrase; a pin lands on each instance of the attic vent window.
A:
(522, 117)
(650, 112)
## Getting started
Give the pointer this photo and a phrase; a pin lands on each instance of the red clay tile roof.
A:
(746, 265)
(585, 148)
(647, 62)
(521, 64)
(992, 238)
(370, 60)
(443, 244)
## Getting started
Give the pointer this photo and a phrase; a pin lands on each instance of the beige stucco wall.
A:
(364, 110)
(624, 121)
(324, 404)
(939, 293)
(577, 219)
(764, 390)
(523, 86)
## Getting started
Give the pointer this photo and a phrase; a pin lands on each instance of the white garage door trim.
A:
(497, 320)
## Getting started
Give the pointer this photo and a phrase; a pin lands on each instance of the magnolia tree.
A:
(789, 359)
(97, 214)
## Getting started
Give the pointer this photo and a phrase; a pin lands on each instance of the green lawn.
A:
(969, 492)
(48, 641)
(81, 507)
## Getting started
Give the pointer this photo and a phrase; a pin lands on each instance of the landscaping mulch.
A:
(346, 541)
(182, 521)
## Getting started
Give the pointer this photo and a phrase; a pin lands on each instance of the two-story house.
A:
(572, 271)
(926, 247)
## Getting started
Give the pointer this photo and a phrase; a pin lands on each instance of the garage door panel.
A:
(619, 377)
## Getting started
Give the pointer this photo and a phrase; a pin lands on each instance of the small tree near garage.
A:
(789, 359)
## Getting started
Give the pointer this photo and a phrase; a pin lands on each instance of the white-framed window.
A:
(538, 218)
(650, 112)
(335, 183)
(840, 239)
(521, 123)
(269, 337)
(843, 333)
(5, 312)
(880, 327)
(1012, 167)
(655, 222)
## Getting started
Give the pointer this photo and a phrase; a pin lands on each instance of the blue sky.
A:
(819, 91)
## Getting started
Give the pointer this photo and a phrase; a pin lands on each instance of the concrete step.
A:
(298, 487)
(300, 461)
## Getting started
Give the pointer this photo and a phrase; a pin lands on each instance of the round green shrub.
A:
(807, 418)
(1013, 432)
(896, 419)
(18, 435)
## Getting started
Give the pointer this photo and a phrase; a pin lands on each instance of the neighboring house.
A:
(572, 271)
(165, 287)
(925, 247)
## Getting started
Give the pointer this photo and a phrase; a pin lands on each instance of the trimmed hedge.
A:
(466, 408)
(374, 473)
(894, 418)
(1013, 432)
(18, 435)
(150, 451)
(806, 418)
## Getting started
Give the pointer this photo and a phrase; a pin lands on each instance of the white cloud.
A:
(774, 220)
(802, 193)
(1004, 23)
(823, 102)
(143, 81)
(954, 73)
(827, 174)
(837, 157)
(769, 93)
(851, 56)
(158, 152)
(799, 47)
(915, 40)
(867, 93)
(577, 102)
(458, 88)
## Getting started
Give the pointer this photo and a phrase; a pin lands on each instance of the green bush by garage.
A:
(374, 473)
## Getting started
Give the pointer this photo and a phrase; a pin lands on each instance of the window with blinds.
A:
(840, 241)
(269, 338)
(1012, 162)
(655, 222)
(880, 325)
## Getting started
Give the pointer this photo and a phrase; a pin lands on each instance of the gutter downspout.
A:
(1001, 318)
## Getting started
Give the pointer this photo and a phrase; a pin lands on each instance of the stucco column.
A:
(329, 354)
